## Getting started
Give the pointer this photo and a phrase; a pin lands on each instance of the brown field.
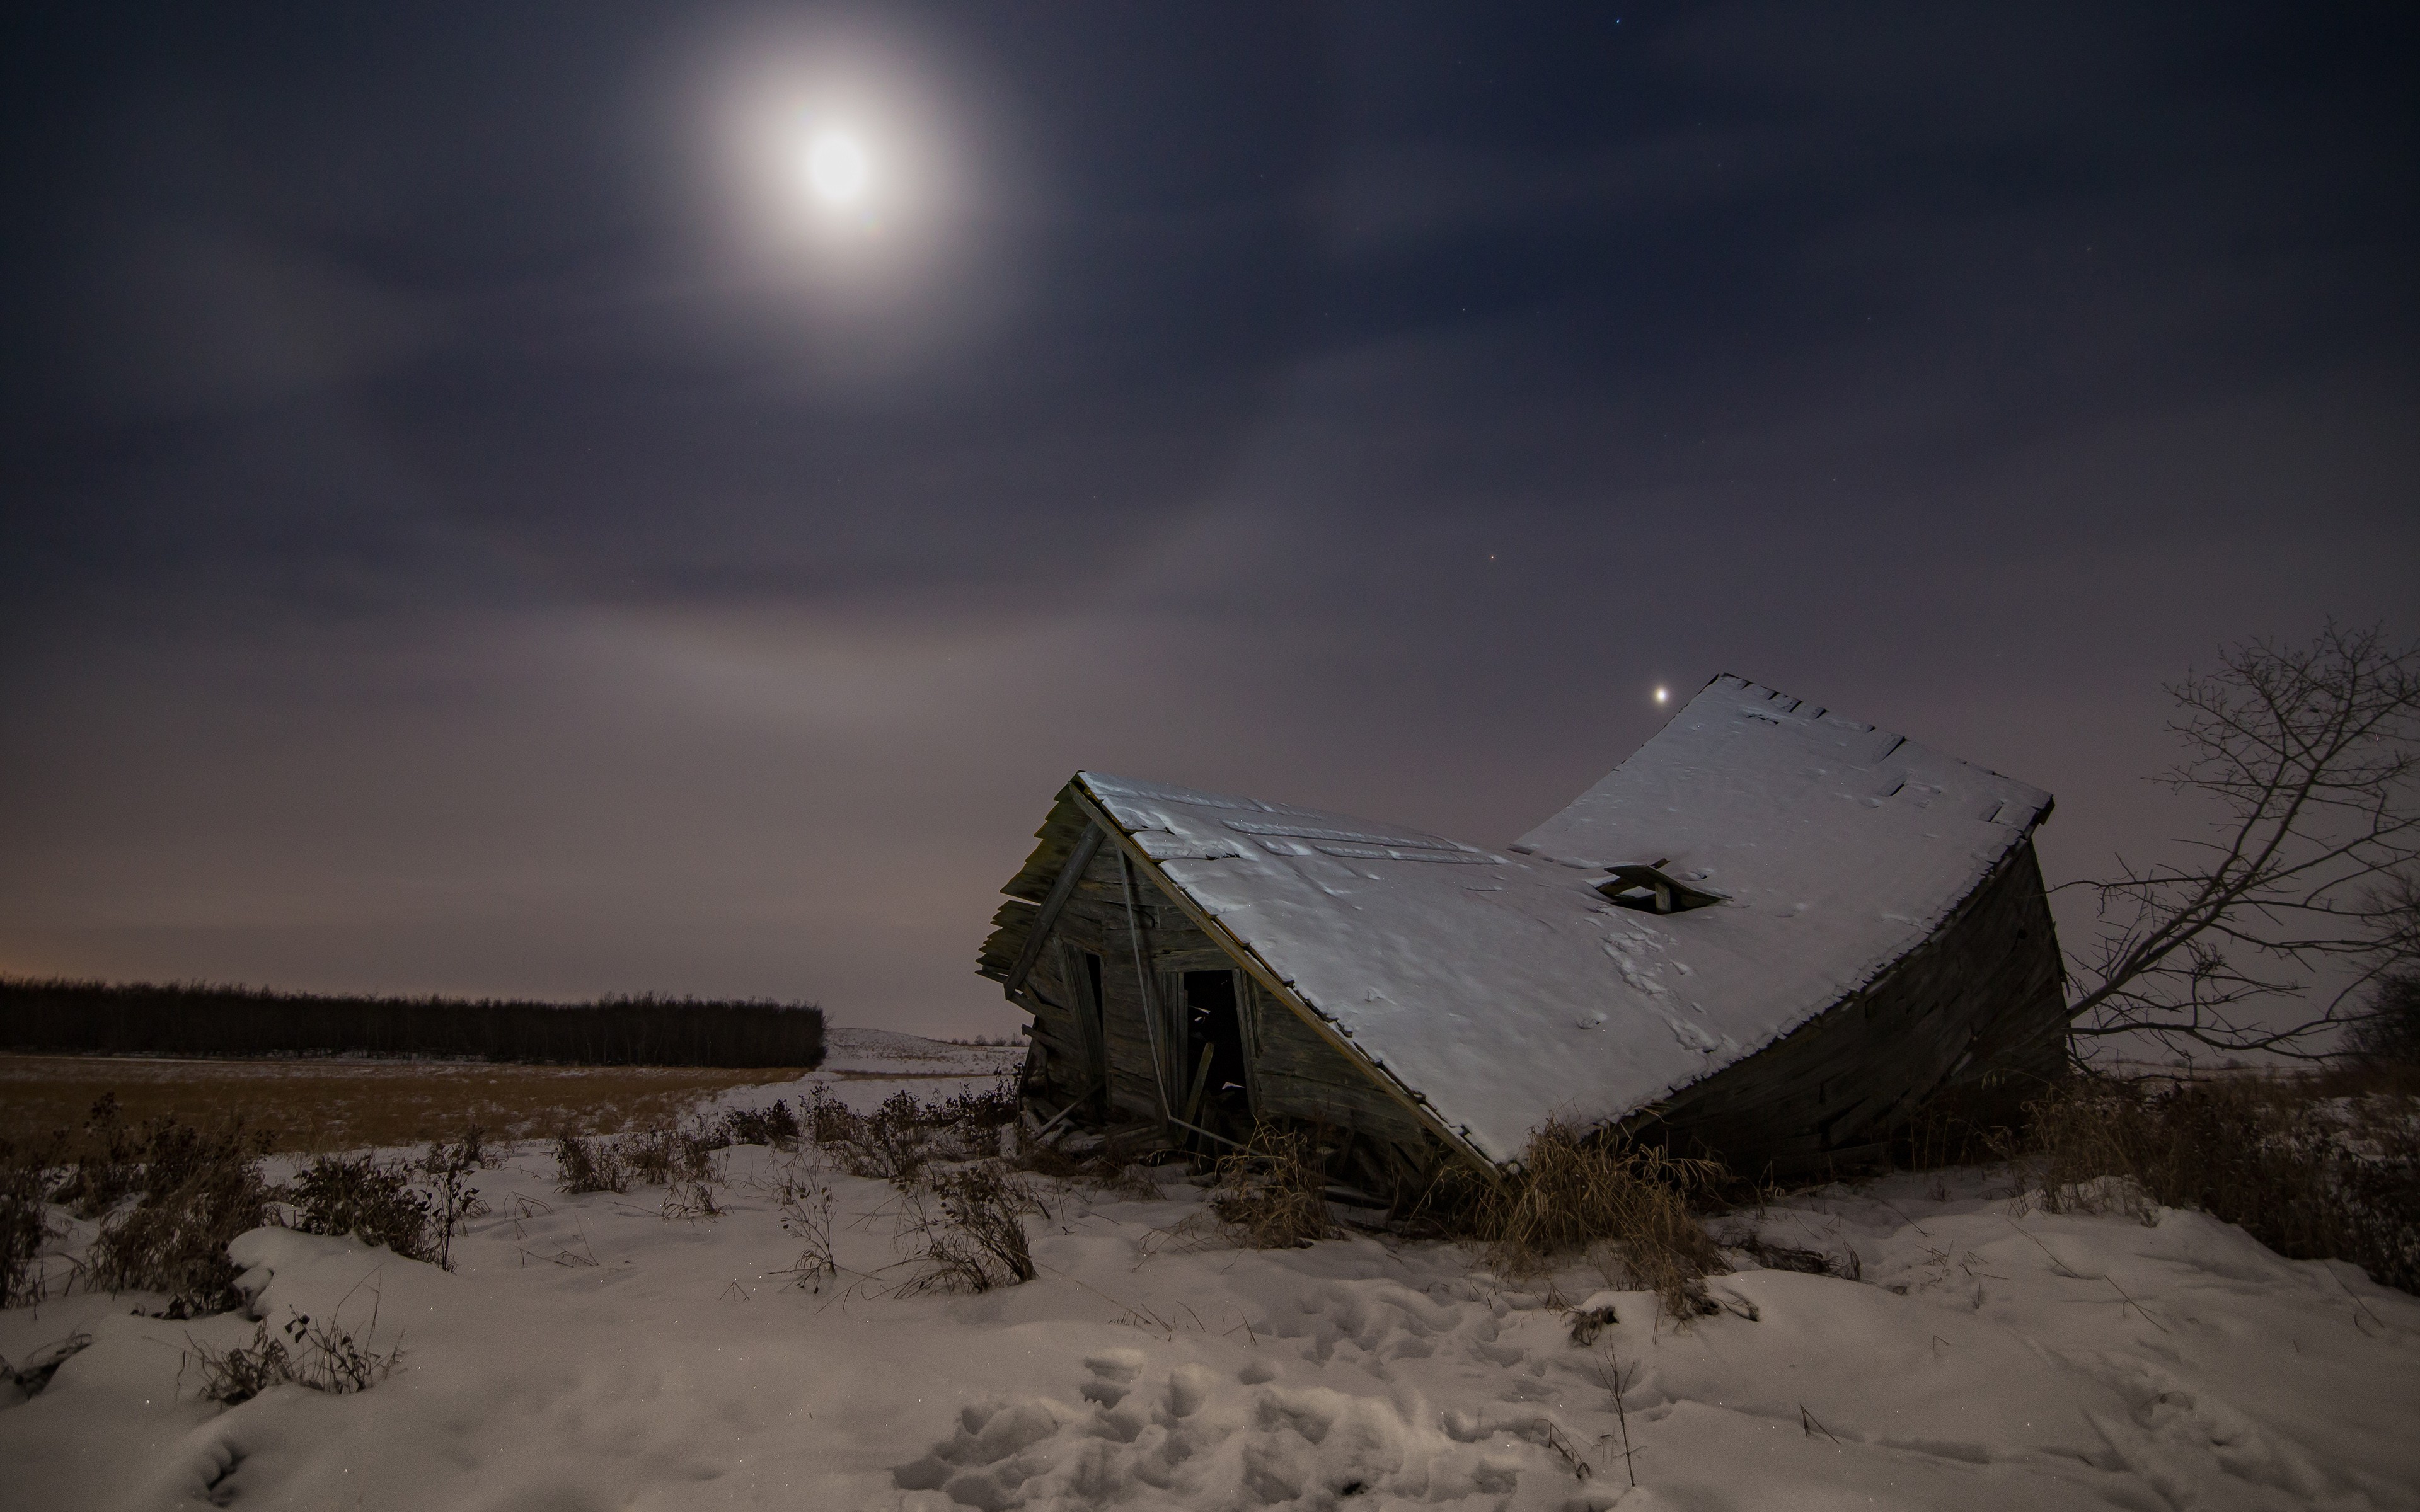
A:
(309, 1106)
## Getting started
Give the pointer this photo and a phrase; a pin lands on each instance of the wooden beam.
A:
(1267, 975)
(1200, 1083)
(1048, 915)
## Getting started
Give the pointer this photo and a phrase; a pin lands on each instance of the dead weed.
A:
(1628, 1206)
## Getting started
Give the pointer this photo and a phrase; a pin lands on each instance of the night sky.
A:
(474, 518)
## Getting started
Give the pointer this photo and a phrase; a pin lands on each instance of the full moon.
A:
(1661, 695)
(837, 168)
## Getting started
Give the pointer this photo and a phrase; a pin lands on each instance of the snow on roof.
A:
(1503, 989)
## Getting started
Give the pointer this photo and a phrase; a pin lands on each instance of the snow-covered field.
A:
(591, 1353)
(851, 1053)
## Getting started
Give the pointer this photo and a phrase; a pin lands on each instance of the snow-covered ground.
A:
(861, 1067)
(591, 1353)
(858, 1052)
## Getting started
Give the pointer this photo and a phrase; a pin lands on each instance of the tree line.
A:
(194, 1019)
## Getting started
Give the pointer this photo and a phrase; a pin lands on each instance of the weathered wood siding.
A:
(1304, 1076)
(1981, 998)
(1136, 1028)
(1291, 1072)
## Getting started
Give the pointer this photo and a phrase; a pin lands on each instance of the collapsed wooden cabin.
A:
(1768, 935)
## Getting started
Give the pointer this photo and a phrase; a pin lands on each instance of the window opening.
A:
(1649, 889)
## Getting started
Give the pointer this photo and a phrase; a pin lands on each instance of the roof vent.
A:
(1648, 891)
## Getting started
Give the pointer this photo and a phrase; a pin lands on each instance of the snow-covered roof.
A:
(1499, 987)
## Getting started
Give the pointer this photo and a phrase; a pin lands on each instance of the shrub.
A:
(989, 1109)
(888, 1144)
(199, 1189)
(659, 1157)
(374, 1203)
(806, 1212)
(1574, 1195)
(2311, 1175)
(468, 1153)
(590, 1165)
(24, 1226)
(453, 1202)
(829, 1121)
(104, 1164)
(976, 1240)
(776, 1126)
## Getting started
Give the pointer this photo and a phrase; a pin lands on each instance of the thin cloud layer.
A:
(455, 544)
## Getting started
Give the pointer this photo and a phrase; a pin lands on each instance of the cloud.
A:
(458, 555)
(178, 318)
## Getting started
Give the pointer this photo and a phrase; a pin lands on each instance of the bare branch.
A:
(2312, 754)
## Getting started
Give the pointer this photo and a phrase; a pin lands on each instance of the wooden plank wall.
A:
(1095, 921)
(1292, 1072)
(2021, 1044)
(1302, 1076)
(1983, 995)
(1056, 840)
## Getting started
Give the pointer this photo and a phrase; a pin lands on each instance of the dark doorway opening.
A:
(1215, 1095)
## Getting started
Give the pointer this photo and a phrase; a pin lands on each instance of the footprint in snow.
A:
(1199, 1436)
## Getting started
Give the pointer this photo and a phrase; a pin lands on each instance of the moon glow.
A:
(837, 168)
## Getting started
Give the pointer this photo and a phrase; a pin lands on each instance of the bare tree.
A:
(2312, 754)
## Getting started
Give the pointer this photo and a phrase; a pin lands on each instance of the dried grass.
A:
(962, 1207)
(1628, 1207)
(1101, 1170)
(323, 1357)
(689, 1200)
(1272, 1194)
(32, 1372)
